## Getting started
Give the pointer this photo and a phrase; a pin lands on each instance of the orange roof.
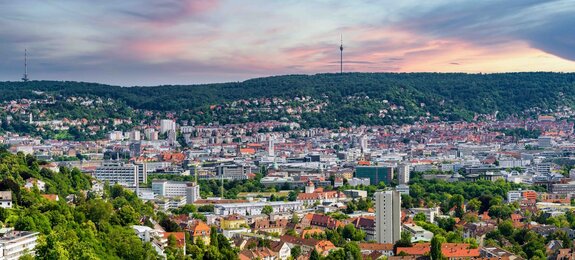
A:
(367, 163)
(198, 227)
(324, 245)
(376, 246)
(311, 232)
(458, 250)
(416, 249)
(449, 250)
(51, 197)
(247, 150)
(180, 237)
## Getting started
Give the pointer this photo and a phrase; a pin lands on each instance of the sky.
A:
(155, 42)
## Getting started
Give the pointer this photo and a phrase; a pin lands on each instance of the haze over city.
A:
(150, 42)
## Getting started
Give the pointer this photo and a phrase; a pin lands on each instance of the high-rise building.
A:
(388, 216)
(142, 172)
(151, 134)
(363, 142)
(271, 151)
(134, 135)
(167, 125)
(403, 173)
(116, 136)
(375, 174)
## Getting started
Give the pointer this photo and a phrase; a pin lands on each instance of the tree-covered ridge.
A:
(91, 226)
(356, 98)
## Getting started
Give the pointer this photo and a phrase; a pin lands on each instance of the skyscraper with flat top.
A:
(388, 216)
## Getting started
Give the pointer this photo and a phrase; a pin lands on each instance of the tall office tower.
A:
(403, 173)
(388, 216)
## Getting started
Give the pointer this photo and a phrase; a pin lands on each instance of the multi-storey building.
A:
(232, 171)
(172, 189)
(388, 216)
(403, 173)
(376, 174)
(14, 244)
(118, 172)
(255, 208)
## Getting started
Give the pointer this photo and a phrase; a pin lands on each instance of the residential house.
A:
(265, 225)
(477, 230)
(262, 253)
(199, 230)
(323, 247)
(282, 249)
(180, 239)
(31, 182)
(6, 199)
(382, 248)
(451, 251)
(234, 221)
(367, 224)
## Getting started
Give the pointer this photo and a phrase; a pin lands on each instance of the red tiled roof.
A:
(180, 237)
(416, 249)
(376, 246)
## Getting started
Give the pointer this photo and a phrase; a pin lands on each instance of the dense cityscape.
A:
(482, 189)
(287, 130)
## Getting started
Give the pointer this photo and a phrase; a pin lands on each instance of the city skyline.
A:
(185, 42)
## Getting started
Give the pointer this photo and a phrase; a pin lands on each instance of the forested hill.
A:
(353, 97)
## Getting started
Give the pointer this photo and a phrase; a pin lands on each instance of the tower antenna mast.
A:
(25, 78)
(341, 55)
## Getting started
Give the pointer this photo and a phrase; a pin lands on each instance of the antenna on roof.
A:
(25, 77)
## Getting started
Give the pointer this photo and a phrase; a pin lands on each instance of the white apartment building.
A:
(388, 216)
(167, 125)
(418, 234)
(135, 135)
(116, 136)
(151, 134)
(403, 173)
(514, 195)
(171, 189)
(358, 181)
(14, 244)
(118, 172)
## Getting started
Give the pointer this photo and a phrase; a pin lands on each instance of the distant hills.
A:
(350, 98)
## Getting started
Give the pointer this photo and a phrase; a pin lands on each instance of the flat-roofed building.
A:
(118, 172)
(255, 208)
(15, 244)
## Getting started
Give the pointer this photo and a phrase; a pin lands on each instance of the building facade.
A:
(118, 172)
(388, 216)
(403, 170)
(14, 244)
(376, 174)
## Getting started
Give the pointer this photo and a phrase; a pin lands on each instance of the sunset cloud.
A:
(147, 42)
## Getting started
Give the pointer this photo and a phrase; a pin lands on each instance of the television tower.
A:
(341, 56)
(25, 78)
